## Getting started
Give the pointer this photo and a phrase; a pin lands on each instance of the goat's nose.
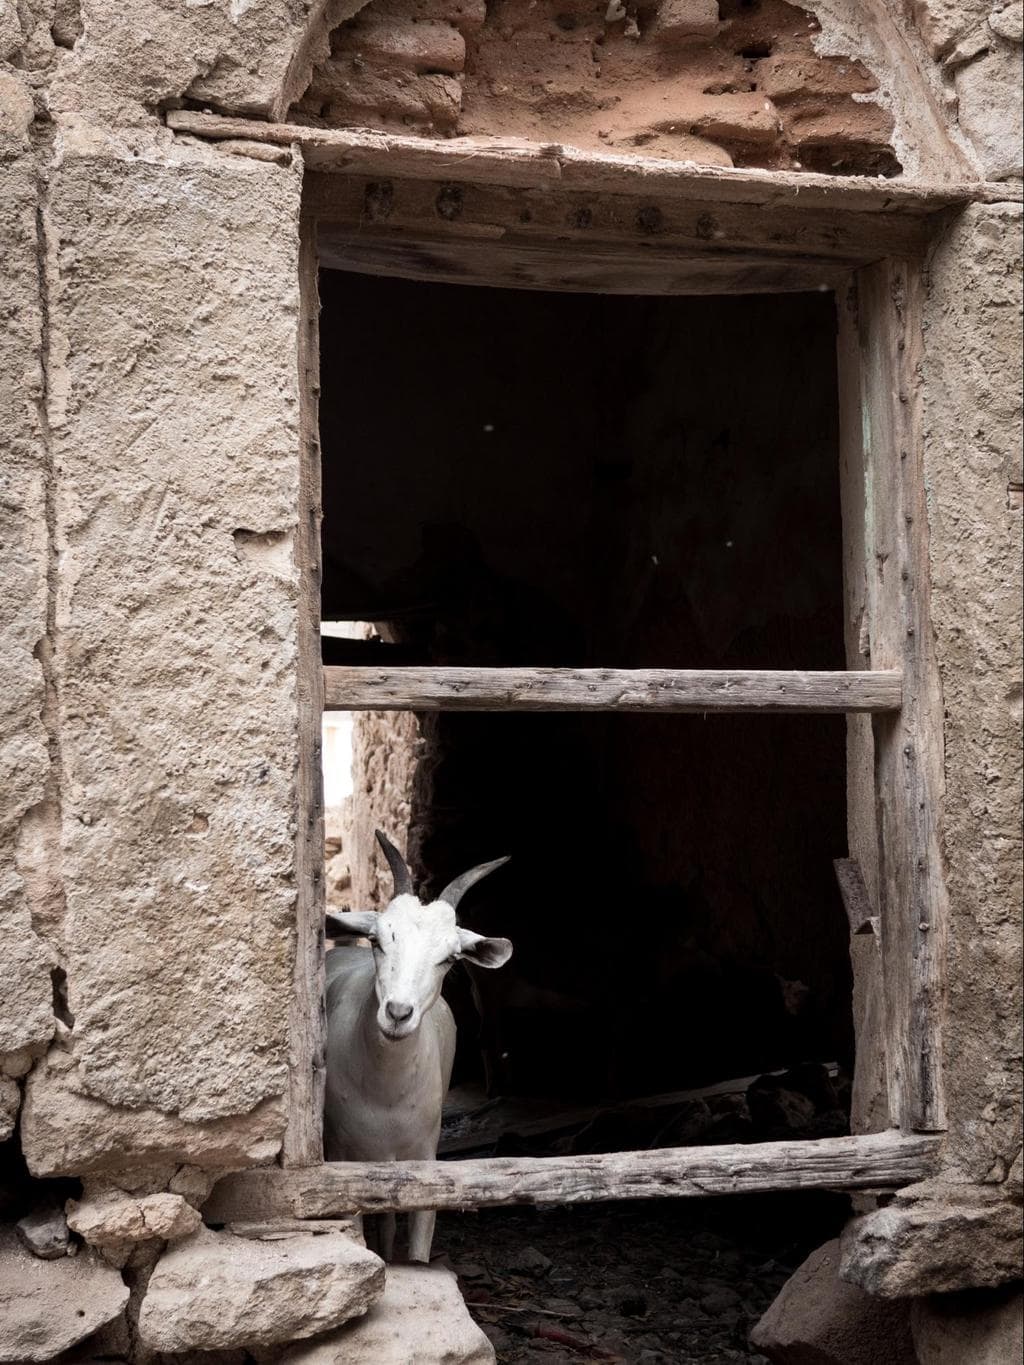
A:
(398, 1011)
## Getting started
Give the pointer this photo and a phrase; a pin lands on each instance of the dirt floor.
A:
(670, 1282)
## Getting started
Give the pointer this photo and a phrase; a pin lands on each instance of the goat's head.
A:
(414, 945)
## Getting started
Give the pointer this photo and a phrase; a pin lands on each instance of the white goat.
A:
(390, 1036)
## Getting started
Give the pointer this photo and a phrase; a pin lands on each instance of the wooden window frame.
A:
(531, 216)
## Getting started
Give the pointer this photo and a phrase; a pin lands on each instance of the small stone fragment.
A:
(530, 1261)
(217, 1291)
(46, 1307)
(421, 1320)
(44, 1232)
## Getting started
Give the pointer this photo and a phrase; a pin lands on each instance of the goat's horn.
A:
(455, 890)
(401, 874)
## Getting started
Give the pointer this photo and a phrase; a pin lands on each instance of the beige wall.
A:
(972, 385)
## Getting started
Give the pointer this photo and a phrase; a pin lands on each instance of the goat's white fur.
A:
(391, 1038)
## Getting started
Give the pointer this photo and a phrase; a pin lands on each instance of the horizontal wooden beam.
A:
(606, 689)
(876, 1161)
(559, 238)
(581, 266)
(509, 161)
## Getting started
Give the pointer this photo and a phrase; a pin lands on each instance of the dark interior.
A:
(514, 477)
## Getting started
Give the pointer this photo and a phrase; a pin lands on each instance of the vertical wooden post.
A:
(869, 1108)
(303, 1144)
(909, 780)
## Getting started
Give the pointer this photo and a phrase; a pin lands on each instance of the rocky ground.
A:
(669, 1282)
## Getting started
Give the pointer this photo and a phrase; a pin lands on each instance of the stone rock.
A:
(64, 1132)
(677, 20)
(935, 1239)
(421, 1320)
(988, 91)
(218, 1291)
(530, 1261)
(10, 1102)
(240, 57)
(983, 1327)
(114, 1222)
(44, 1232)
(193, 1184)
(818, 1320)
(48, 1306)
(1008, 23)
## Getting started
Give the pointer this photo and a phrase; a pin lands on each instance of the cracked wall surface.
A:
(26, 1018)
(173, 282)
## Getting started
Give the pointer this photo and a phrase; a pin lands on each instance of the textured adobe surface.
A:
(26, 1015)
(972, 378)
(174, 641)
(718, 84)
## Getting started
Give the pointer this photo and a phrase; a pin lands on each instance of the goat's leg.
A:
(421, 1234)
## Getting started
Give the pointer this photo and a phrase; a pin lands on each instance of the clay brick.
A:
(839, 123)
(466, 15)
(788, 76)
(364, 96)
(406, 45)
(737, 118)
(679, 20)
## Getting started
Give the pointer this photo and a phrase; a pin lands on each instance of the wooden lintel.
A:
(607, 689)
(875, 1161)
(574, 266)
(348, 208)
(503, 161)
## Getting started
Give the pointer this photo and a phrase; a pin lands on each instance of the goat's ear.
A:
(483, 952)
(356, 924)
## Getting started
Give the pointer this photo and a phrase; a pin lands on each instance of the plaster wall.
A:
(164, 660)
(150, 493)
(972, 385)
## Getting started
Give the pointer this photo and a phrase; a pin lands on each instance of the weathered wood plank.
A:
(606, 689)
(874, 1161)
(303, 1141)
(909, 775)
(560, 267)
(461, 211)
(504, 161)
